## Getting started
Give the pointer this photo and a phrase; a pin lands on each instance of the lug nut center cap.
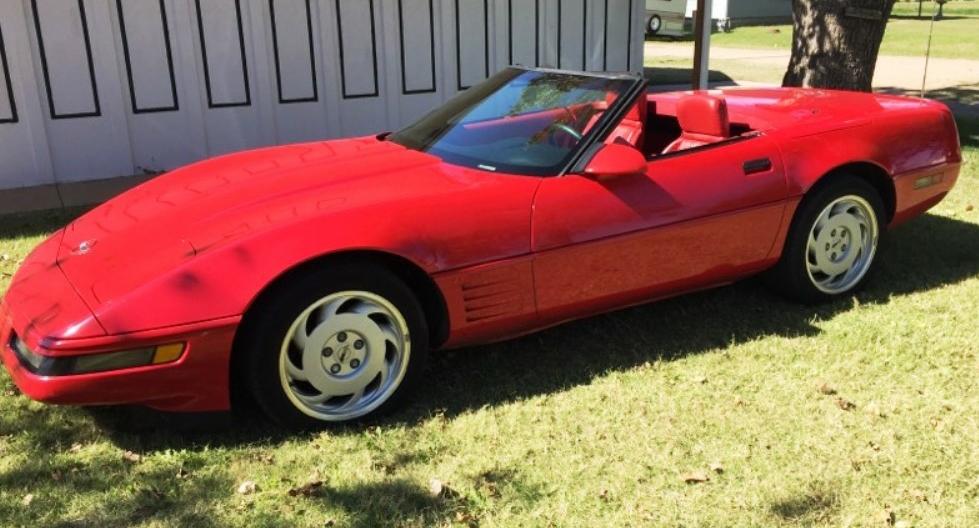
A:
(343, 353)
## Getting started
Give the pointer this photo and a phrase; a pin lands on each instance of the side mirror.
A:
(615, 160)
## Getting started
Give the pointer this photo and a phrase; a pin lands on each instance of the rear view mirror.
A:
(615, 160)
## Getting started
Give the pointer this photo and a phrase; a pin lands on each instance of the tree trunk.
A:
(835, 42)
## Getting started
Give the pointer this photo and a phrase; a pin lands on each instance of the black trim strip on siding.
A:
(8, 82)
(244, 61)
(536, 32)
(486, 67)
(174, 106)
(584, 35)
(312, 57)
(628, 48)
(47, 76)
(343, 68)
(628, 41)
(560, 22)
(401, 33)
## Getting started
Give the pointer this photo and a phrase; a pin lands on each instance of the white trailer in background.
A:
(666, 17)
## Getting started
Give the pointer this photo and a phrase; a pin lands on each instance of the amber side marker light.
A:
(62, 366)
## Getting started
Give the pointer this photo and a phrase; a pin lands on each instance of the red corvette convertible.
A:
(316, 277)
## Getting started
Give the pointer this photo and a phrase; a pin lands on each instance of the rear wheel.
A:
(335, 346)
(832, 242)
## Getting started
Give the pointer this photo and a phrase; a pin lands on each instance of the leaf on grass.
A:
(247, 487)
(76, 447)
(695, 477)
(826, 389)
(129, 456)
(700, 379)
(844, 404)
(466, 518)
(310, 489)
(5, 257)
(28, 499)
(918, 495)
(886, 517)
(441, 490)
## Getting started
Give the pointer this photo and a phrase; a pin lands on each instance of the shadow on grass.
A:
(666, 76)
(816, 505)
(18, 225)
(155, 495)
(926, 253)
(963, 100)
(926, 17)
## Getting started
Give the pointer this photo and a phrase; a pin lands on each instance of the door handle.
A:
(757, 165)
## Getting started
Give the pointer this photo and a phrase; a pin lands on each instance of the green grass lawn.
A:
(957, 36)
(595, 423)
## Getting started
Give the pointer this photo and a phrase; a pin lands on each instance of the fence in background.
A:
(93, 89)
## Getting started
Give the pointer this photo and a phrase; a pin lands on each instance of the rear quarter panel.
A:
(909, 139)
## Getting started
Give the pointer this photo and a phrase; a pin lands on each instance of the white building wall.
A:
(93, 89)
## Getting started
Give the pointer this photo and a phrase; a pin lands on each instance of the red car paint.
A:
(184, 256)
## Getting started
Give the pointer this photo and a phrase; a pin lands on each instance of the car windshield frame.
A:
(453, 112)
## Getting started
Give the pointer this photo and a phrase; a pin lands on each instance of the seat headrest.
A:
(703, 114)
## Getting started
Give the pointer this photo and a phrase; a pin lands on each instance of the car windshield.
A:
(517, 121)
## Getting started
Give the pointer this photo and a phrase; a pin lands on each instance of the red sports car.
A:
(317, 276)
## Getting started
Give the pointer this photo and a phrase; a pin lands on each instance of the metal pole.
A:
(931, 28)
(701, 51)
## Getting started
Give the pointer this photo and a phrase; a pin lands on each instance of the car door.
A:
(695, 218)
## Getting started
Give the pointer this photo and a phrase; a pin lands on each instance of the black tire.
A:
(791, 276)
(265, 330)
(654, 25)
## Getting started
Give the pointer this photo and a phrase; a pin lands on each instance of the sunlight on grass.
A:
(595, 423)
(956, 36)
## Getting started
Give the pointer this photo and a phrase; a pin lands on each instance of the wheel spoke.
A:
(390, 335)
(823, 218)
(299, 337)
(315, 400)
(295, 372)
(327, 310)
(368, 309)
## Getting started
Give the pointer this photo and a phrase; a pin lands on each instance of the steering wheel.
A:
(567, 129)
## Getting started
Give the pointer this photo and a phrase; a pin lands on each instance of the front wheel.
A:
(335, 346)
(831, 243)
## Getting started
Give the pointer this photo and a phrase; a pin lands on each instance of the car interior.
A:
(699, 120)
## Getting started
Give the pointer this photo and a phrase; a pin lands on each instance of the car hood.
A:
(152, 228)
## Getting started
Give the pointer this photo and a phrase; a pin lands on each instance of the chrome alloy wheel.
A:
(344, 355)
(842, 243)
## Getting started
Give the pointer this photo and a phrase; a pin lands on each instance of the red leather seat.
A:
(703, 120)
(630, 128)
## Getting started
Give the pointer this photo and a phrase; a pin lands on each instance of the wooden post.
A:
(701, 51)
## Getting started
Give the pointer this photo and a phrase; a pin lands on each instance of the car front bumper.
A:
(197, 381)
